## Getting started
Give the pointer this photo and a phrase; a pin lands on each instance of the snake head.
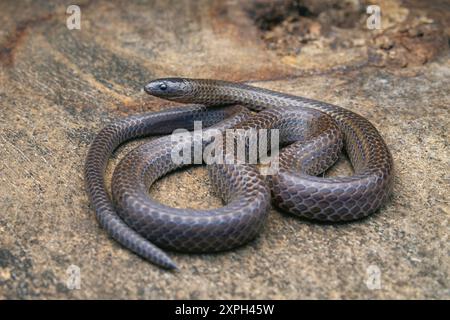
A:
(168, 88)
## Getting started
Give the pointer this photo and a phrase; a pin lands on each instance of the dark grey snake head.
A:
(175, 89)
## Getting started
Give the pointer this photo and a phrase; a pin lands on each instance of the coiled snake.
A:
(313, 131)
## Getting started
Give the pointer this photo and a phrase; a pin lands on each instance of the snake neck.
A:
(217, 92)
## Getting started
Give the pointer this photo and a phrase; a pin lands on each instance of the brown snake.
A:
(313, 131)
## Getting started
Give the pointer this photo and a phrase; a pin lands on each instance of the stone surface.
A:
(58, 87)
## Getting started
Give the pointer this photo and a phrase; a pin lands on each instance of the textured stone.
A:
(59, 87)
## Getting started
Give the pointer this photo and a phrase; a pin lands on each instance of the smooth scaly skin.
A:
(317, 127)
(110, 137)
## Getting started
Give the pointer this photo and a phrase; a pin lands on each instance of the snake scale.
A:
(312, 132)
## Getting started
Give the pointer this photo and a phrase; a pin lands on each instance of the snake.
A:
(311, 134)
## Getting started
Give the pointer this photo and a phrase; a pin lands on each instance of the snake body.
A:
(313, 131)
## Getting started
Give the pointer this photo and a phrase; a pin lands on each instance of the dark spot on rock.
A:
(6, 258)
(268, 14)
(61, 288)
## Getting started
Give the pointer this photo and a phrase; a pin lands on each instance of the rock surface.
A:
(58, 87)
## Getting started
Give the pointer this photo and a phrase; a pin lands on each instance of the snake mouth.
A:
(155, 87)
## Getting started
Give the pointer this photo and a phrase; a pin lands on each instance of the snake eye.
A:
(163, 86)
